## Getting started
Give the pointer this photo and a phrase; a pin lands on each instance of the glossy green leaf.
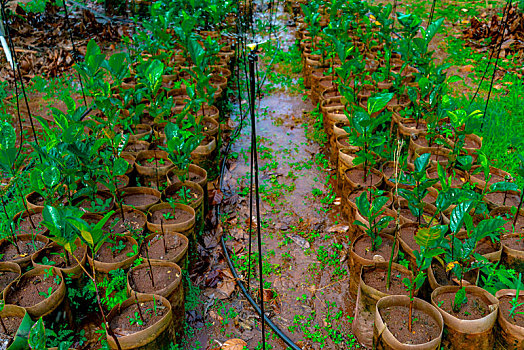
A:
(22, 334)
(378, 102)
(458, 213)
(37, 338)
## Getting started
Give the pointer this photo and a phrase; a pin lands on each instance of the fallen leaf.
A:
(300, 241)
(234, 344)
(340, 228)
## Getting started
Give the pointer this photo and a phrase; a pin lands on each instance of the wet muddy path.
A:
(306, 282)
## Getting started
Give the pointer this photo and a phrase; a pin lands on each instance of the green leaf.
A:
(7, 136)
(503, 186)
(428, 237)
(422, 162)
(458, 213)
(51, 177)
(22, 334)
(37, 337)
(378, 102)
(120, 167)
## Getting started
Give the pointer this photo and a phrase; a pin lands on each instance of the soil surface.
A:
(137, 200)
(115, 252)
(505, 307)
(362, 248)
(58, 257)
(122, 324)
(169, 216)
(424, 327)
(377, 279)
(8, 250)
(474, 309)
(31, 291)
(357, 176)
(173, 247)
(191, 176)
(132, 221)
(163, 276)
(6, 277)
(11, 325)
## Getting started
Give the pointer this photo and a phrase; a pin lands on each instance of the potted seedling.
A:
(421, 183)
(363, 132)
(462, 306)
(370, 244)
(67, 226)
(510, 318)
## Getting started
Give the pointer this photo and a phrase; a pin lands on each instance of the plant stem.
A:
(518, 209)
(13, 235)
(150, 267)
(163, 235)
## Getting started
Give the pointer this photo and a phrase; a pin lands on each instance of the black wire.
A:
(505, 21)
(492, 52)
(432, 12)
(16, 69)
(75, 52)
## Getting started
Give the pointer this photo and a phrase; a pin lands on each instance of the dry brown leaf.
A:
(234, 344)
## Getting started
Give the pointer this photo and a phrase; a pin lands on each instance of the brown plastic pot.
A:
(468, 334)
(23, 215)
(196, 203)
(510, 335)
(159, 171)
(205, 154)
(7, 266)
(25, 260)
(158, 336)
(126, 262)
(195, 174)
(178, 257)
(130, 159)
(141, 131)
(46, 306)
(151, 194)
(349, 185)
(15, 312)
(383, 339)
(173, 292)
(74, 271)
(187, 227)
(367, 299)
(356, 262)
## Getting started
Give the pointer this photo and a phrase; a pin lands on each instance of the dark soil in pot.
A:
(100, 203)
(56, 256)
(122, 326)
(174, 246)
(376, 278)
(513, 242)
(169, 216)
(7, 277)
(407, 234)
(140, 279)
(474, 309)
(31, 291)
(191, 176)
(363, 248)
(133, 220)
(424, 328)
(8, 251)
(440, 274)
(356, 175)
(8, 333)
(486, 246)
(24, 224)
(505, 307)
(139, 199)
(156, 163)
(120, 182)
(191, 196)
(116, 251)
(503, 199)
